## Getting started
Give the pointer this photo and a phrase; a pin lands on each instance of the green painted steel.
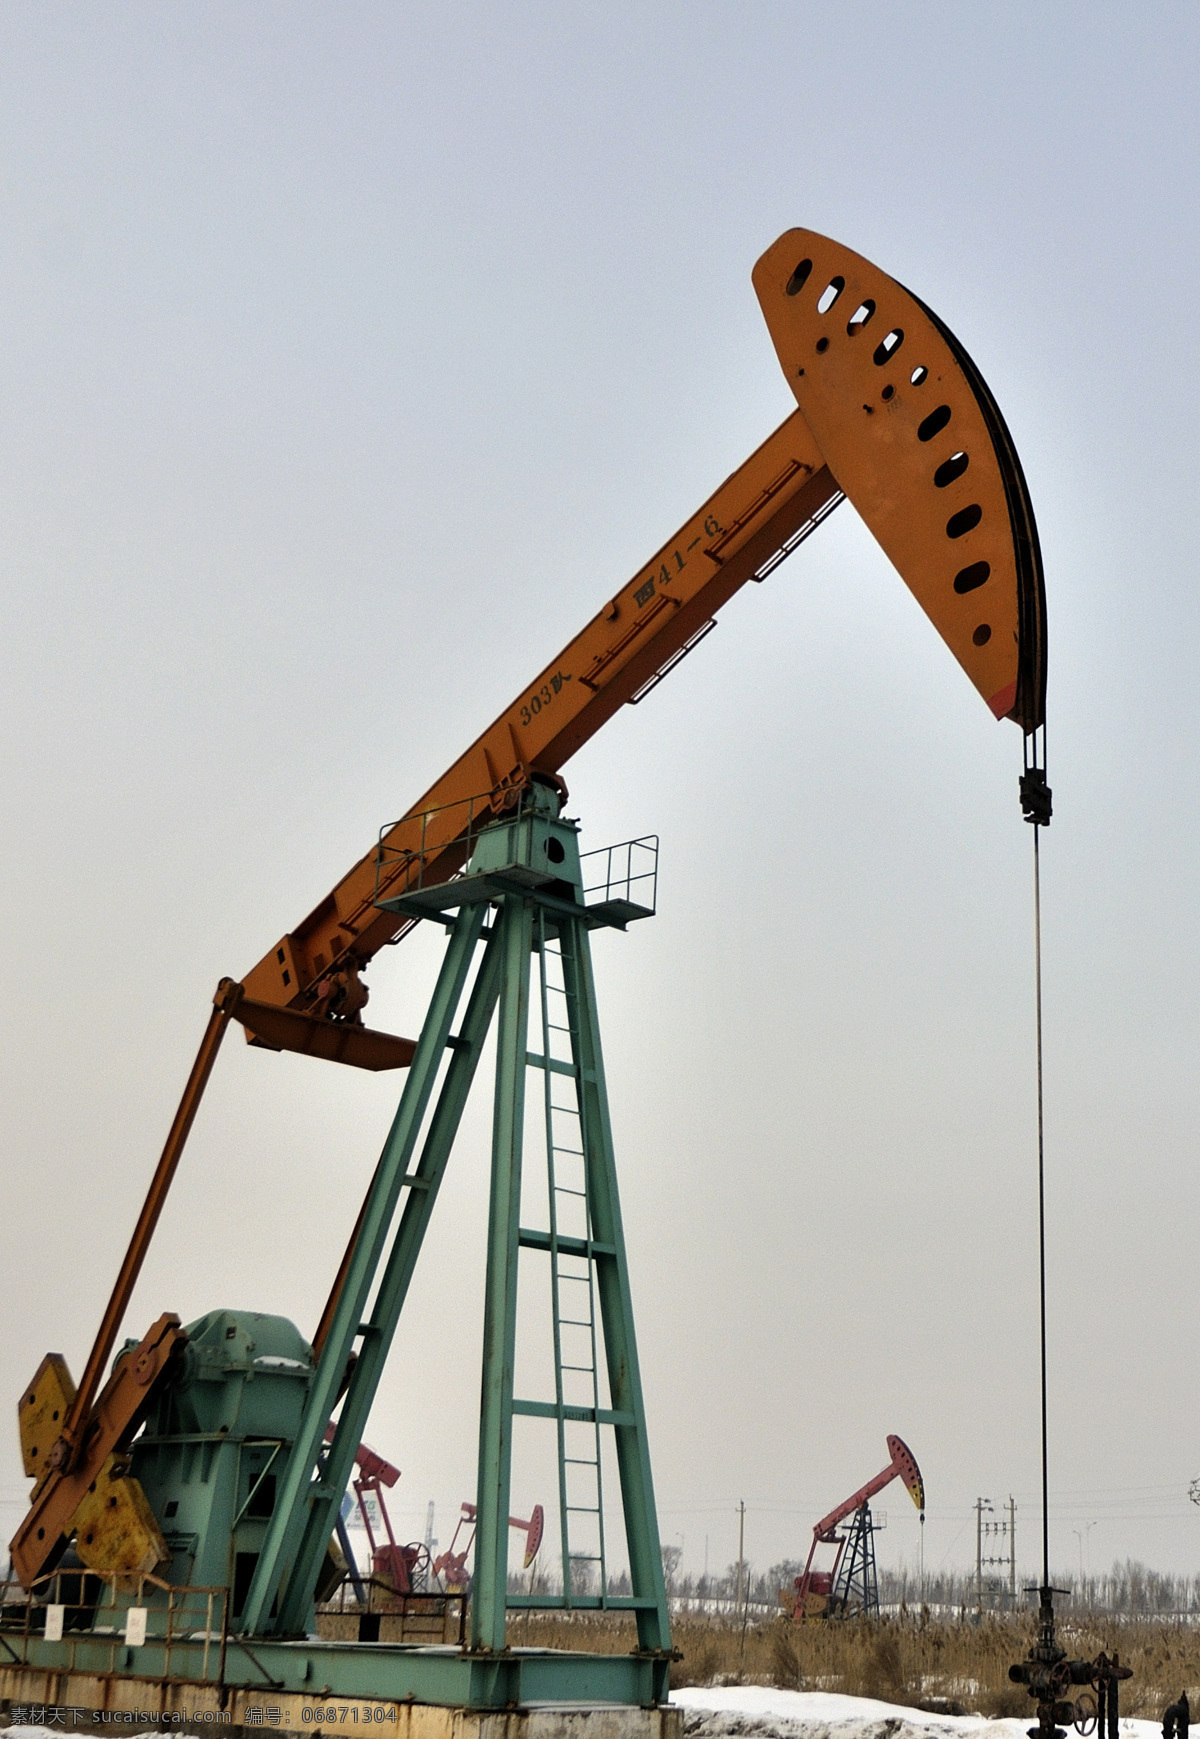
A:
(216, 1443)
(306, 1506)
(366, 1672)
(377, 1333)
(616, 1302)
(589, 1281)
(489, 1588)
(526, 872)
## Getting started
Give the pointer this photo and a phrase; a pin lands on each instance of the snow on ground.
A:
(762, 1712)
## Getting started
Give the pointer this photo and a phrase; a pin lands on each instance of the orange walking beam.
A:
(65, 1452)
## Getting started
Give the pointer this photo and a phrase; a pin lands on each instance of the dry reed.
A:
(908, 1660)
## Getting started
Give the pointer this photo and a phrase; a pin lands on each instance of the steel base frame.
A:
(357, 1672)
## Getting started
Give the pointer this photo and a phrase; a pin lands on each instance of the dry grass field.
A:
(907, 1660)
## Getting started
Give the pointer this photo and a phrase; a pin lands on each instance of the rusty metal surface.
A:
(291, 1029)
(186, 1627)
(38, 1541)
(66, 1450)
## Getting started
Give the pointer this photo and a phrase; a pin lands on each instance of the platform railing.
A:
(430, 833)
(425, 1617)
(76, 1606)
(627, 871)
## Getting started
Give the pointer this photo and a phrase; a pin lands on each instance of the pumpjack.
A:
(403, 1568)
(189, 1480)
(849, 1587)
(451, 1565)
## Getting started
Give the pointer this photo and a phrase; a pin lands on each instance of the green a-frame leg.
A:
(525, 872)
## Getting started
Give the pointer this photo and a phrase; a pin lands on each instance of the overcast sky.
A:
(353, 355)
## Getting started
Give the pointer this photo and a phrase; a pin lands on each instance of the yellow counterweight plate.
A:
(41, 1411)
(116, 1532)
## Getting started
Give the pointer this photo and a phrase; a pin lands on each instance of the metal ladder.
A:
(572, 1278)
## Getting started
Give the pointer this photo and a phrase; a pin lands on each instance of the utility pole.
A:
(982, 1504)
(995, 1535)
(741, 1555)
(1012, 1554)
(743, 1578)
(1083, 1535)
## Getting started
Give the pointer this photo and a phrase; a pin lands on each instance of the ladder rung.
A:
(587, 1370)
(562, 1190)
(582, 1510)
(575, 1321)
(582, 1602)
(576, 1415)
(584, 1248)
(534, 1060)
(579, 1461)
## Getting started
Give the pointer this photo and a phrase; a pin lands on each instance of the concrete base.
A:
(100, 1702)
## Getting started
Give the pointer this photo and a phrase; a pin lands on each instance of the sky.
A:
(353, 356)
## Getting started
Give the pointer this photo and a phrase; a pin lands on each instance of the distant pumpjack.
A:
(850, 1585)
(451, 1566)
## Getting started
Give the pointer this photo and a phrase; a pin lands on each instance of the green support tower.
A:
(522, 898)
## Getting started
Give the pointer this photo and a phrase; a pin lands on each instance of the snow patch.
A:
(764, 1712)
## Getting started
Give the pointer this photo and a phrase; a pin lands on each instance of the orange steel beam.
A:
(66, 1451)
(335, 1292)
(770, 499)
(895, 415)
(38, 1541)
